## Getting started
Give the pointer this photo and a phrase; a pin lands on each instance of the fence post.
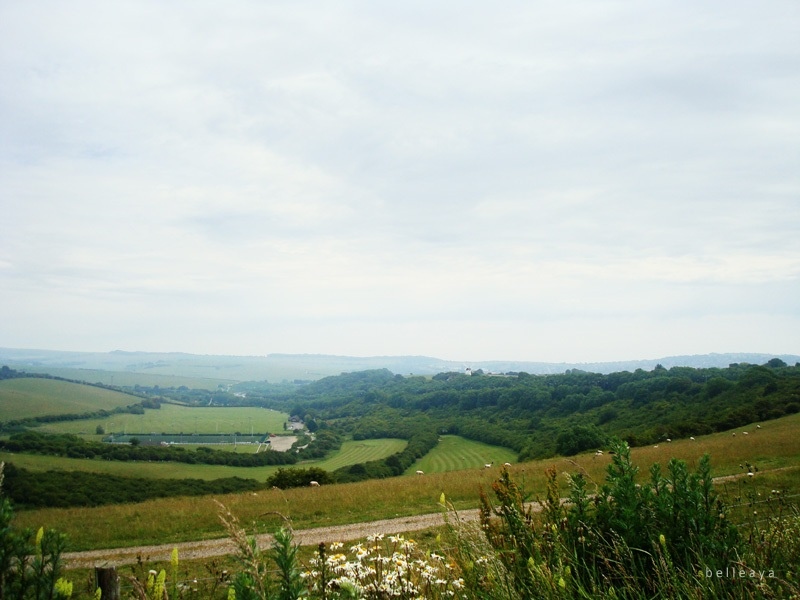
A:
(108, 582)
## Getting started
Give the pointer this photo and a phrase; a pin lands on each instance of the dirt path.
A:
(223, 546)
(305, 537)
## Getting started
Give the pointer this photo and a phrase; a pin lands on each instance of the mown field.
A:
(775, 449)
(354, 452)
(31, 397)
(454, 453)
(173, 419)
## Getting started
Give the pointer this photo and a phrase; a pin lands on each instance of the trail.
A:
(305, 537)
(223, 546)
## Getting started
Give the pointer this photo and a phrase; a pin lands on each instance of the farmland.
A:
(176, 419)
(454, 453)
(352, 452)
(775, 447)
(131, 379)
(32, 397)
(355, 452)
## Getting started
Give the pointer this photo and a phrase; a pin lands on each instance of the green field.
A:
(151, 470)
(361, 451)
(775, 447)
(31, 397)
(454, 453)
(130, 379)
(352, 452)
(173, 418)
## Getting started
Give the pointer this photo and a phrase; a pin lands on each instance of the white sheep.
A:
(420, 473)
(313, 483)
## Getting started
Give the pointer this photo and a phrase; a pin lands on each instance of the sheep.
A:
(758, 426)
(669, 440)
(744, 433)
(420, 472)
(488, 465)
(507, 464)
(313, 483)
(691, 438)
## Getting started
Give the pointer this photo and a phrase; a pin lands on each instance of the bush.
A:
(657, 539)
(30, 566)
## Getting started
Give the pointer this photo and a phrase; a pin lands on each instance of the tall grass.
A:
(162, 521)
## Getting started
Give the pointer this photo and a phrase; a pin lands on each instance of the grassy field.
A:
(30, 397)
(172, 418)
(151, 470)
(130, 379)
(775, 446)
(355, 452)
(352, 452)
(454, 453)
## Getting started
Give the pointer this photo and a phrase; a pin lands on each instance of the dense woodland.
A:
(537, 416)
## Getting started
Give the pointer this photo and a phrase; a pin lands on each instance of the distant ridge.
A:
(278, 367)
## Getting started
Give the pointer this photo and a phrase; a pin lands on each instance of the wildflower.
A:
(662, 540)
(174, 559)
(231, 594)
(39, 536)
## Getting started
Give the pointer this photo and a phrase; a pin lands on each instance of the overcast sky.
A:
(553, 181)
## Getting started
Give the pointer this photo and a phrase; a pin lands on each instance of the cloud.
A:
(375, 175)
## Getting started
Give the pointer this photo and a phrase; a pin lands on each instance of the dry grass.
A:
(775, 445)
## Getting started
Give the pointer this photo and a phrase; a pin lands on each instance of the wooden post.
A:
(108, 582)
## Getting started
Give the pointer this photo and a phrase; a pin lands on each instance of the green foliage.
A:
(79, 488)
(65, 444)
(579, 438)
(289, 478)
(30, 565)
(653, 540)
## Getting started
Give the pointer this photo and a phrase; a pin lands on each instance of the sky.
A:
(556, 181)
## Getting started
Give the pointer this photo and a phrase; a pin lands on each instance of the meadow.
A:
(775, 449)
(131, 378)
(176, 419)
(351, 453)
(455, 453)
(31, 397)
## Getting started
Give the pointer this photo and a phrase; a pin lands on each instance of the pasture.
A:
(31, 397)
(455, 453)
(177, 419)
(775, 446)
(360, 451)
(130, 378)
